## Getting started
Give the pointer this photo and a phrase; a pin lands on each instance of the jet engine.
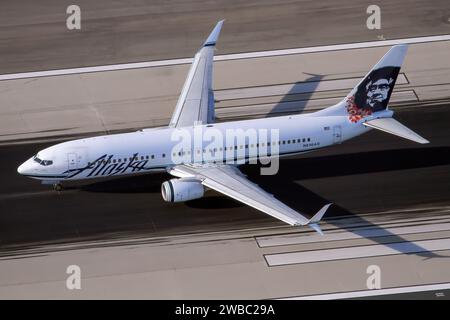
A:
(178, 190)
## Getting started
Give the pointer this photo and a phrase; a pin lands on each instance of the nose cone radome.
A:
(23, 168)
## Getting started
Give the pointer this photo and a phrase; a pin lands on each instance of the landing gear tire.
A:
(57, 187)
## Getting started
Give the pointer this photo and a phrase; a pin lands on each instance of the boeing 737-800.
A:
(199, 153)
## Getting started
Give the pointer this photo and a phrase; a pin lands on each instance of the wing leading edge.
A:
(229, 181)
(196, 101)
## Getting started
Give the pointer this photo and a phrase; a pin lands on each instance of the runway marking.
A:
(357, 233)
(387, 249)
(227, 57)
(372, 293)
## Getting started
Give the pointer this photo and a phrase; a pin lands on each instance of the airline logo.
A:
(108, 165)
(372, 94)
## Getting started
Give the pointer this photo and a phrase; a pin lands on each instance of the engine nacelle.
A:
(178, 190)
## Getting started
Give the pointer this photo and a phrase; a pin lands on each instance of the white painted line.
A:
(112, 67)
(373, 293)
(236, 56)
(347, 46)
(387, 249)
(292, 239)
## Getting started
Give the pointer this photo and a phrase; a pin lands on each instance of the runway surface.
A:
(33, 36)
(391, 196)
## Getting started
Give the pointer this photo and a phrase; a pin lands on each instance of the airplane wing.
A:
(196, 101)
(229, 181)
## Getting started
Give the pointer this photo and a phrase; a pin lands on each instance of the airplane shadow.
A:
(284, 185)
(298, 96)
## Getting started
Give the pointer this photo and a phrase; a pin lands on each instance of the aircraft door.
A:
(72, 159)
(337, 134)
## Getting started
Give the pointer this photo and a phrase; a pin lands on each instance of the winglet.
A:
(317, 217)
(214, 35)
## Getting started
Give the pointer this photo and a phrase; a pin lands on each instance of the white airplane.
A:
(214, 164)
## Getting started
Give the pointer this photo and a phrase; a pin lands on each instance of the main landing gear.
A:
(57, 187)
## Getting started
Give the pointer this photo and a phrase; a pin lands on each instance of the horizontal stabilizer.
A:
(392, 126)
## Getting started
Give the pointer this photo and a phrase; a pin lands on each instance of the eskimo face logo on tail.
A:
(372, 94)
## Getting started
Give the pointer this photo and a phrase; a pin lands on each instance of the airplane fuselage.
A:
(157, 149)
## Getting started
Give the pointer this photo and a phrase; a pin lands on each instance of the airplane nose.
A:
(23, 168)
(20, 169)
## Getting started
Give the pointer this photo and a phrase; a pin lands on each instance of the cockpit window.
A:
(42, 162)
(36, 159)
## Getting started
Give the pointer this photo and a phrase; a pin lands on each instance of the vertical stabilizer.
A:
(373, 92)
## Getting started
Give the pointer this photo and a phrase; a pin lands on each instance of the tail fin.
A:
(373, 92)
